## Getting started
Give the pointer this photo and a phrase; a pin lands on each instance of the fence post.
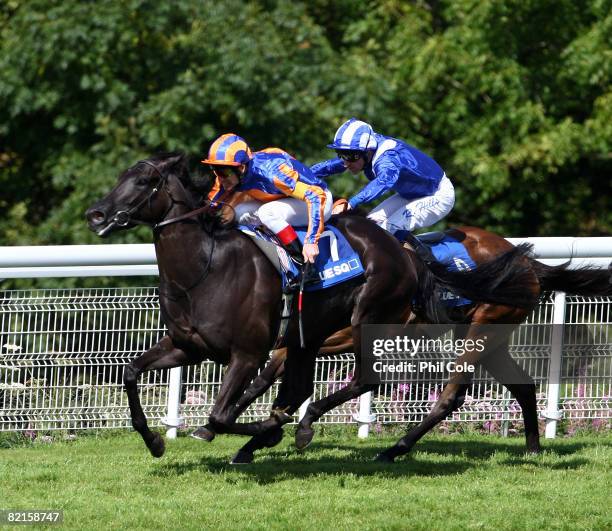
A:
(172, 420)
(364, 417)
(304, 407)
(552, 413)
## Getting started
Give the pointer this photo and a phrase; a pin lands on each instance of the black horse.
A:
(220, 297)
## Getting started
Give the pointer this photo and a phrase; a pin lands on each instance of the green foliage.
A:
(512, 97)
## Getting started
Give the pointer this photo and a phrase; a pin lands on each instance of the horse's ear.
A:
(172, 160)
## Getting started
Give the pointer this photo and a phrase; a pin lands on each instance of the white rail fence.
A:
(62, 353)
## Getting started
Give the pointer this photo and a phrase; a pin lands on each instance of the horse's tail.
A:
(587, 281)
(506, 280)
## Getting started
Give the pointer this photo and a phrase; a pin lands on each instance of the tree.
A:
(512, 97)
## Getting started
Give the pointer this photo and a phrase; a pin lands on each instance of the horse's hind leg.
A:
(163, 355)
(452, 397)
(378, 302)
(505, 370)
(315, 410)
(341, 341)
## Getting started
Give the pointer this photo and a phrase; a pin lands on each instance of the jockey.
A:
(282, 191)
(423, 192)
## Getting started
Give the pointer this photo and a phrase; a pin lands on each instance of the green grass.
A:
(450, 482)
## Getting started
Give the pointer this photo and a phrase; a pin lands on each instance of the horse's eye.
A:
(142, 181)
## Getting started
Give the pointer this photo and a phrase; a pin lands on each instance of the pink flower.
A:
(195, 398)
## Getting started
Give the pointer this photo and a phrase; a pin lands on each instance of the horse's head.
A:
(145, 194)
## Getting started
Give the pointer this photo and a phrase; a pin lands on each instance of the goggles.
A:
(225, 171)
(350, 156)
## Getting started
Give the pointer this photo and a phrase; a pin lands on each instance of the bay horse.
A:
(483, 247)
(220, 297)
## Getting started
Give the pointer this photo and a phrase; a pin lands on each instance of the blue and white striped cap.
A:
(354, 135)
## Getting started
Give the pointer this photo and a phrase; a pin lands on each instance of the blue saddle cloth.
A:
(455, 257)
(336, 262)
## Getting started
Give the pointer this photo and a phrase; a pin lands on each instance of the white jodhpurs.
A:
(397, 213)
(276, 215)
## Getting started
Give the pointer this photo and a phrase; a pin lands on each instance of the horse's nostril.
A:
(96, 217)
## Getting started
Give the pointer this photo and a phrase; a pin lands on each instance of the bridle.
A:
(123, 218)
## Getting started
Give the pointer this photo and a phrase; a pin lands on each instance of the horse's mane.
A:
(194, 176)
(197, 180)
(353, 212)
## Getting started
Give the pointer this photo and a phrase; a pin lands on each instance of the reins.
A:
(124, 217)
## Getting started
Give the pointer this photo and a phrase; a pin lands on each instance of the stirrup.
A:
(293, 283)
(422, 250)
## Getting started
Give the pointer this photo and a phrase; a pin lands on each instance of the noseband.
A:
(124, 217)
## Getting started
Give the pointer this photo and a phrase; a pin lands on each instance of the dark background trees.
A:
(512, 97)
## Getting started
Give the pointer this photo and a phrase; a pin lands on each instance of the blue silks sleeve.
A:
(383, 182)
(328, 167)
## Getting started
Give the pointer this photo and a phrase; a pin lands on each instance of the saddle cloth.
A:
(336, 262)
(452, 254)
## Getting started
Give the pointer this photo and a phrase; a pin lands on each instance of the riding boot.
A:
(294, 250)
(422, 250)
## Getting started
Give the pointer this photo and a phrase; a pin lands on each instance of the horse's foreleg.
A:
(340, 342)
(264, 380)
(240, 371)
(163, 355)
(297, 385)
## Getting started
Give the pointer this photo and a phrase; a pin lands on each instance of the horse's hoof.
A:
(274, 438)
(203, 434)
(157, 446)
(242, 458)
(384, 458)
(303, 437)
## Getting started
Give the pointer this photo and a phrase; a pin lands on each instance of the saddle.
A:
(444, 248)
(337, 262)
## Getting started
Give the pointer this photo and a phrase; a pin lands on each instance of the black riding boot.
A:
(422, 250)
(294, 250)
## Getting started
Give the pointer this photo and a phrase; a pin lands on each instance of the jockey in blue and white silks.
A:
(282, 192)
(423, 192)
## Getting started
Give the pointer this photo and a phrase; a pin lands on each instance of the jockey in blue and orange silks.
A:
(282, 192)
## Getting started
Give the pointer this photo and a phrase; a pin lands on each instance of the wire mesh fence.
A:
(63, 351)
